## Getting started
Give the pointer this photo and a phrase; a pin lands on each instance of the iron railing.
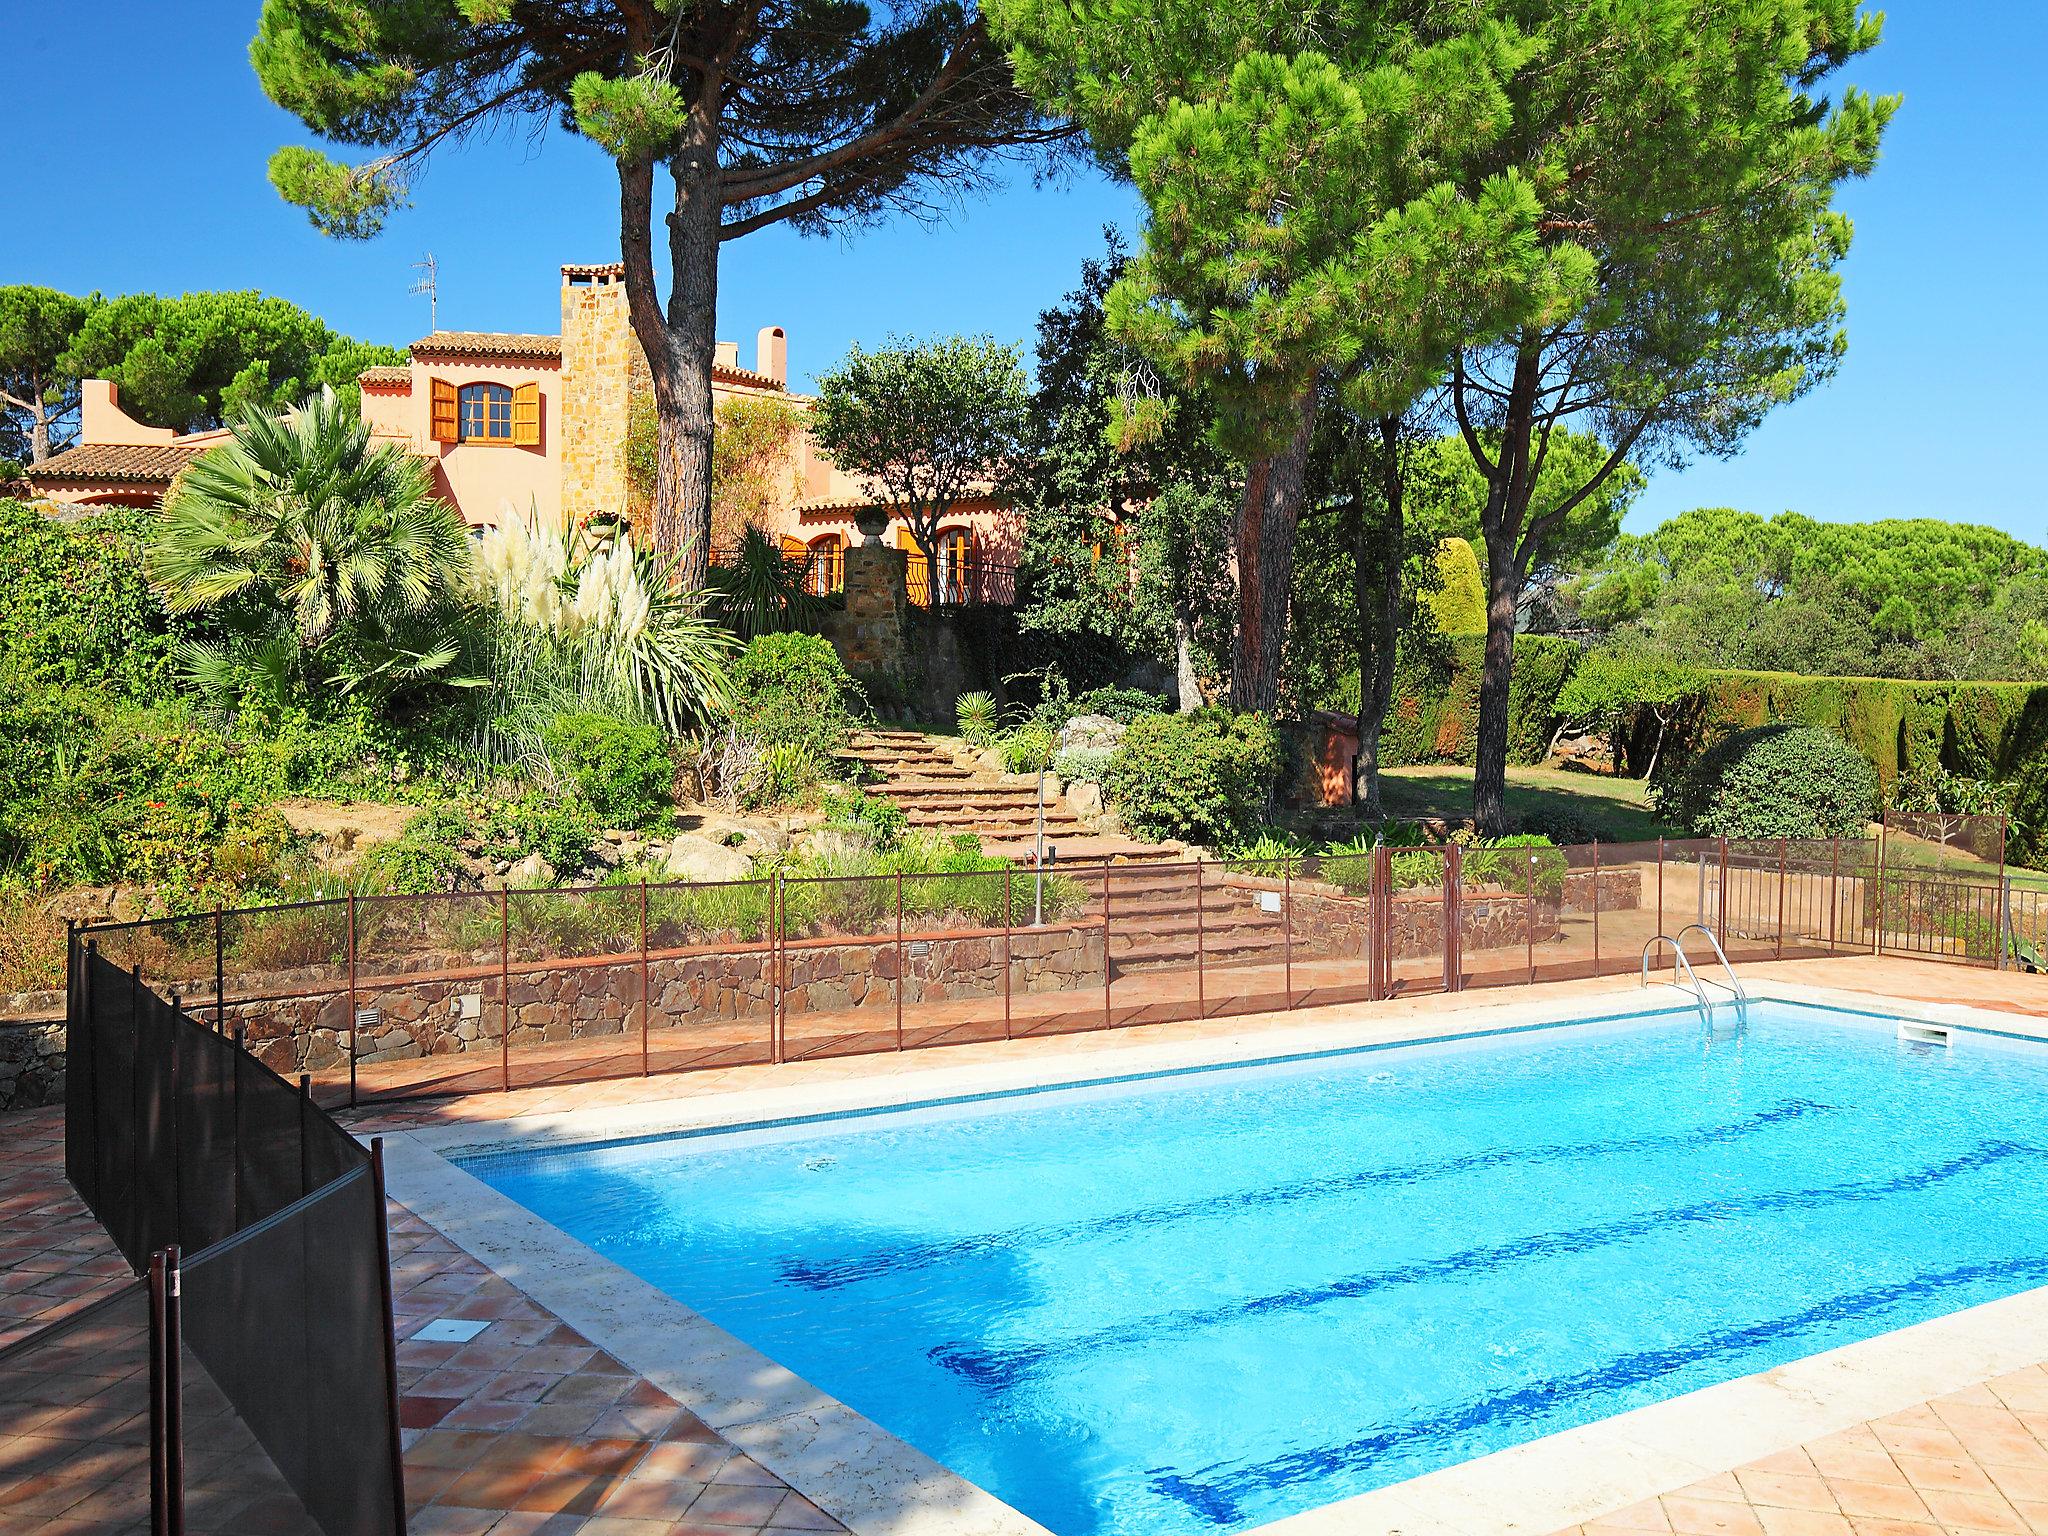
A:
(961, 581)
(261, 1224)
(412, 995)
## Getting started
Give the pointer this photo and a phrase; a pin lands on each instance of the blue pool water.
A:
(1195, 1304)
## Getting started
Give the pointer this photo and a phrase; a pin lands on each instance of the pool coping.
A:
(878, 1485)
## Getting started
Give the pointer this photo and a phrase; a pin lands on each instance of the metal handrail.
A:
(1734, 982)
(1698, 992)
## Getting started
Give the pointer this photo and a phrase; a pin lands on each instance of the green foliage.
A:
(923, 423)
(1122, 705)
(1087, 765)
(757, 589)
(75, 606)
(634, 118)
(1435, 713)
(1114, 453)
(883, 820)
(1205, 776)
(976, 716)
(1612, 683)
(1457, 603)
(1521, 861)
(1029, 747)
(38, 391)
(200, 359)
(793, 690)
(1771, 781)
(348, 202)
(327, 559)
(1905, 598)
(621, 768)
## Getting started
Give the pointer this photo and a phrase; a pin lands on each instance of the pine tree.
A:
(813, 113)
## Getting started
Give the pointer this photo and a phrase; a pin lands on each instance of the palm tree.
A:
(320, 552)
(761, 590)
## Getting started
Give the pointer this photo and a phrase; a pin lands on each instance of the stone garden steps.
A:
(940, 794)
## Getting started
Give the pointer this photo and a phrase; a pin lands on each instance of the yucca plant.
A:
(325, 556)
(977, 718)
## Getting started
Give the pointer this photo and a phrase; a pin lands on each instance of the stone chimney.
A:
(602, 365)
(771, 354)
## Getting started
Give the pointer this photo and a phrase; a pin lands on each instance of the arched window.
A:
(826, 569)
(484, 413)
(956, 566)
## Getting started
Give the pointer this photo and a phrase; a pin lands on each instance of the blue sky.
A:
(154, 137)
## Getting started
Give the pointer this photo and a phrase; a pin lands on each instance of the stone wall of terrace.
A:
(448, 1003)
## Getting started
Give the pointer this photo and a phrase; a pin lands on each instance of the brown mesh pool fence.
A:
(392, 997)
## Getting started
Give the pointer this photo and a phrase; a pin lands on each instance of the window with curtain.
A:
(827, 571)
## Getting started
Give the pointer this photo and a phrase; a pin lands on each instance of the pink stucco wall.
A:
(485, 481)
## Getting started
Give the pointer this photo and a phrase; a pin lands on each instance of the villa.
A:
(523, 424)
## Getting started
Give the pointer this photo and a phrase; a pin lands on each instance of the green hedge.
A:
(1977, 730)
(1435, 713)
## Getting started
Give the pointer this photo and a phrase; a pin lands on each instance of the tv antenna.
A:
(430, 285)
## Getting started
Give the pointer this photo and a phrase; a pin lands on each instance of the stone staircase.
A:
(941, 794)
(1160, 922)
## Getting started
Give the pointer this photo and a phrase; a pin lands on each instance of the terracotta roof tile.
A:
(486, 344)
(131, 464)
(721, 372)
(386, 378)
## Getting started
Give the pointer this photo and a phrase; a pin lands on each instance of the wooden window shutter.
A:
(526, 416)
(441, 397)
(905, 539)
(794, 549)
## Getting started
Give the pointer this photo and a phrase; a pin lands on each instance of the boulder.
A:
(531, 873)
(699, 858)
(991, 758)
(1094, 732)
(1085, 798)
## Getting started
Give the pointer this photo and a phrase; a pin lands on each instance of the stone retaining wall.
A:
(449, 1014)
(32, 1053)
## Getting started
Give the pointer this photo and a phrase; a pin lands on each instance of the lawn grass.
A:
(1612, 809)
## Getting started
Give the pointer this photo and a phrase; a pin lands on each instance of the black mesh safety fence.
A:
(182, 1141)
(288, 1318)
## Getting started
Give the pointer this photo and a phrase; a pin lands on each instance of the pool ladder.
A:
(1693, 984)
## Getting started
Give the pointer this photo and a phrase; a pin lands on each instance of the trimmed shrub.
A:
(793, 690)
(1435, 713)
(1458, 603)
(883, 820)
(621, 768)
(1771, 781)
(1205, 776)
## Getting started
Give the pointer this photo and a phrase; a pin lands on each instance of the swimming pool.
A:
(1202, 1302)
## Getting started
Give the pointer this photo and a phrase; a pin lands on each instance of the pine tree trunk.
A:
(682, 485)
(39, 429)
(1265, 565)
(1490, 775)
(1379, 613)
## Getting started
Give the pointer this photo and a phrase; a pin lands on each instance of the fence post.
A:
(778, 981)
(1999, 923)
(1009, 919)
(1454, 915)
(1105, 944)
(1783, 844)
(305, 1109)
(505, 989)
(220, 976)
(1877, 923)
(133, 1215)
(354, 1045)
(1529, 919)
(235, 1078)
(646, 996)
(1287, 927)
(1201, 947)
(166, 1397)
(902, 970)
(390, 1330)
(1721, 902)
(1660, 882)
(1834, 888)
(1596, 905)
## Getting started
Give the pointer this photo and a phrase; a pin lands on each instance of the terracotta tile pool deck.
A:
(528, 1428)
